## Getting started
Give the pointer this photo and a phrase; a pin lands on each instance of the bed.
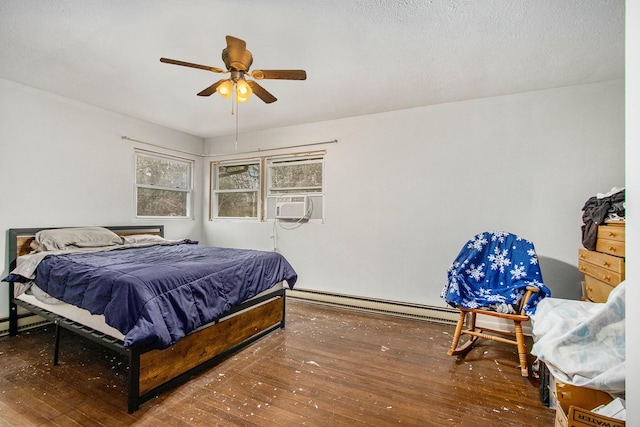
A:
(233, 297)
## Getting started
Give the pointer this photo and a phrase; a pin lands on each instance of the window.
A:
(236, 190)
(296, 175)
(164, 186)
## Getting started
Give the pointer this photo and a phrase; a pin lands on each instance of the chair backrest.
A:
(494, 269)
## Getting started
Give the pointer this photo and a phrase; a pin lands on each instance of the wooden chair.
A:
(494, 273)
(515, 338)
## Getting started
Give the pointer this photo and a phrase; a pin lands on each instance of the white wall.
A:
(64, 163)
(406, 189)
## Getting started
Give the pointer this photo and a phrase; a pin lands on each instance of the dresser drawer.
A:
(613, 263)
(595, 290)
(611, 232)
(600, 273)
(613, 247)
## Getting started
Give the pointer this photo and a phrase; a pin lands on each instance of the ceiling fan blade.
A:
(192, 65)
(279, 74)
(235, 55)
(261, 92)
(211, 89)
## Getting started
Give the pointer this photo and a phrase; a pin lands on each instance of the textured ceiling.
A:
(361, 56)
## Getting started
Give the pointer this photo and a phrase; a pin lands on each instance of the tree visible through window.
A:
(295, 176)
(237, 189)
(163, 186)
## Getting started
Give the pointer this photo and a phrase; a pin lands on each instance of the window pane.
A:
(162, 172)
(297, 175)
(238, 204)
(239, 177)
(152, 202)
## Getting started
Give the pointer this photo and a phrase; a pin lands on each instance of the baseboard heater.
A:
(415, 311)
(25, 322)
(429, 313)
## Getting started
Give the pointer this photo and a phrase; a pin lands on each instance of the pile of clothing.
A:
(598, 209)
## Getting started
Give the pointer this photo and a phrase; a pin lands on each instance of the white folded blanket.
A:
(583, 343)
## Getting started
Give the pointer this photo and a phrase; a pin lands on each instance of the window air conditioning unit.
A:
(291, 207)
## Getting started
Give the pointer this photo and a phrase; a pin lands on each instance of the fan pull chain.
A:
(237, 112)
(234, 98)
(237, 115)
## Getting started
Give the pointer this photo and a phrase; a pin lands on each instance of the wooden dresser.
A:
(603, 268)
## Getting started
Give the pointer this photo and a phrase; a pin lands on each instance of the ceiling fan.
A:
(238, 59)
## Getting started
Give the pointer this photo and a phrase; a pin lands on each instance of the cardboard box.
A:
(574, 406)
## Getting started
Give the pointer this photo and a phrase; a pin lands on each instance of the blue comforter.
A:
(156, 295)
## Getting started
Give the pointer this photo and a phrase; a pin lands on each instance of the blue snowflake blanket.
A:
(493, 270)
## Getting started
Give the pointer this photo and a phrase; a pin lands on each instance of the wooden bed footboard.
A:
(153, 371)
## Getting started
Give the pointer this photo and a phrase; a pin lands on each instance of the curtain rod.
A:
(259, 150)
(162, 146)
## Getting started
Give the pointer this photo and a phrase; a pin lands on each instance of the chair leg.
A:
(456, 336)
(472, 322)
(522, 351)
(459, 331)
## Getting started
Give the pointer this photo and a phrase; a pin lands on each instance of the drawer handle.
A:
(612, 234)
(582, 256)
(612, 249)
(583, 268)
(606, 264)
(606, 278)
(589, 289)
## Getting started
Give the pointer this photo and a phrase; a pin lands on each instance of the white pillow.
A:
(144, 238)
(78, 237)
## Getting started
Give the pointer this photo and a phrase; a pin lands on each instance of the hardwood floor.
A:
(329, 367)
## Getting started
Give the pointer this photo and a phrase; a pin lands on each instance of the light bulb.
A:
(243, 91)
(225, 89)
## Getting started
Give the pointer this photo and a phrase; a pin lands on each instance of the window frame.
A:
(265, 196)
(312, 192)
(215, 190)
(189, 190)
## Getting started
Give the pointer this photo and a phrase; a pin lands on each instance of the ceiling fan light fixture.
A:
(243, 90)
(225, 89)
(238, 61)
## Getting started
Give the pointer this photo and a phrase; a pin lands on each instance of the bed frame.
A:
(153, 371)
